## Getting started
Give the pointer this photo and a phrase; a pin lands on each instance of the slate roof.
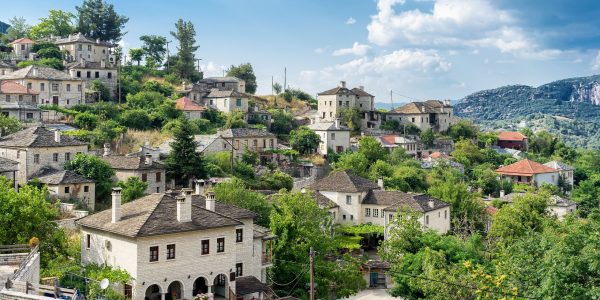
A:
(327, 126)
(361, 92)
(337, 91)
(122, 162)
(323, 201)
(247, 285)
(557, 165)
(10, 87)
(38, 136)
(8, 165)
(525, 167)
(18, 106)
(7, 65)
(220, 79)
(426, 107)
(61, 177)
(156, 214)
(418, 203)
(511, 136)
(245, 132)
(79, 38)
(262, 233)
(37, 72)
(186, 104)
(344, 181)
(90, 65)
(215, 93)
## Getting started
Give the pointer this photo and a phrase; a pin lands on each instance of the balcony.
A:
(267, 259)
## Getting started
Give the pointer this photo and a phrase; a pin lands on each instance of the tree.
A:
(186, 36)
(277, 88)
(235, 192)
(154, 47)
(428, 137)
(245, 73)
(136, 119)
(54, 63)
(515, 221)
(351, 117)
(371, 148)
(93, 167)
(18, 28)
(304, 140)
(283, 121)
(183, 162)
(356, 163)
(136, 54)
(587, 195)
(133, 188)
(103, 92)
(463, 130)
(58, 23)
(235, 120)
(86, 120)
(97, 19)
(9, 125)
(250, 157)
(467, 153)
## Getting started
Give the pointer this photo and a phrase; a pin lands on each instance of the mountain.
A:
(568, 107)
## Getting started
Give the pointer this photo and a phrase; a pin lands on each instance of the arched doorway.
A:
(152, 292)
(220, 286)
(174, 290)
(200, 286)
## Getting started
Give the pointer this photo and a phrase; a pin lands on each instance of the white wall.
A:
(550, 178)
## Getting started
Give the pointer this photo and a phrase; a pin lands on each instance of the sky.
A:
(419, 49)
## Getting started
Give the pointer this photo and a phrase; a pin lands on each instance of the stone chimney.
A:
(431, 203)
(148, 159)
(57, 136)
(184, 206)
(116, 204)
(342, 84)
(210, 201)
(34, 71)
(199, 186)
(380, 183)
(97, 41)
(502, 193)
(337, 123)
(106, 149)
(361, 87)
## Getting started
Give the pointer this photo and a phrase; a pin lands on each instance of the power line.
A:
(405, 96)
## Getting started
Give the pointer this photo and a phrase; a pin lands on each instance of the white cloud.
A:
(319, 50)
(211, 69)
(596, 62)
(350, 21)
(356, 49)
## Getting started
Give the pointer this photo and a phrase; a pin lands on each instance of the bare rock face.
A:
(587, 93)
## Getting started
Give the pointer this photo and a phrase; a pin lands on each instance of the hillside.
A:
(568, 107)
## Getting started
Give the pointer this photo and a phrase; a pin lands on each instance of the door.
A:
(55, 100)
(373, 279)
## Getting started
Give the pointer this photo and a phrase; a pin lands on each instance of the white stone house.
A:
(9, 169)
(141, 166)
(356, 200)
(557, 206)
(391, 142)
(87, 71)
(176, 246)
(54, 86)
(6, 67)
(227, 83)
(80, 47)
(36, 148)
(333, 136)
(431, 114)
(227, 101)
(22, 48)
(19, 102)
(565, 171)
(66, 185)
(332, 101)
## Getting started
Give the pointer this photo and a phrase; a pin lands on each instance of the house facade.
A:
(66, 185)
(227, 83)
(22, 48)
(227, 101)
(391, 142)
(332, 101)
(141, 166)
(333, 136)
(19, 102)
(7, 66)
(529, 172)
(242, 139)
(431, 114)
(566, 172)
(107, 73)
(176, 246)
(190, 109)
(77, 46)
(9, 169)
(36, 148)
(512, 140)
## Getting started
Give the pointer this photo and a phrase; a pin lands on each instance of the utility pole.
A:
(272, 85)
(391, 99)
(168, 62)
(284, 79)
(198, 62)
(311, 254)
(232, 148)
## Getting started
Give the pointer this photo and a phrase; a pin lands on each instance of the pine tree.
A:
(99, 20)
(184, 64)
(183, 162)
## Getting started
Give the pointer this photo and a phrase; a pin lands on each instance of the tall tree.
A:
(246, 73)
(371, 148)
(133, 188)
(304, 140)
(18, 28)
(136, 54)
(183, 162)
(186, 36)
(154, 47)
(58, 23)
(93, 167)
(99, 20)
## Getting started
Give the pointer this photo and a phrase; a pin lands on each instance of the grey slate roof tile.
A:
(38, 136)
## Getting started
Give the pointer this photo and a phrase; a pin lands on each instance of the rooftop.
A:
(186, 104)
(37, 136)
(557, 165)
(344, 181)
(23, 41)
(37, 72)
(245, 132)
(215, 93)
(53, 177)
(122, 162)
(79, 38)
(525, 167)
(338, 91)
(511, 136)
(327, 126)
(8, 165)
(10, 87)
(426, 107)
(420, 203)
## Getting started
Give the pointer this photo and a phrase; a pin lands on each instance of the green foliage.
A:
(250, 157)
(52, 62)
(398, 156)
(92, 167)
(243, 170)
(154, 47)
(18, 28)
(148, 100)
(467, 153)
(165, 89)
(136, 54)
(304, 140)
(244, 72)
(87, 121)
(9, 125)
(428, 137)
(236, 193)
(58, 23)
(355, 162)
(276, 181)
(463, 130)
(235, 120)
(184, 66)
(133, 188)
(183, 162)
(97, 19)
(283, 121)
(136, 119)
(372, 149)
(524, 215)
(587, 195)
(351, 117)
(277, 88)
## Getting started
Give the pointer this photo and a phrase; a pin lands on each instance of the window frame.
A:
(239, 235)
(207, 243)
(221, 245)
(154, 253)
(171, 251)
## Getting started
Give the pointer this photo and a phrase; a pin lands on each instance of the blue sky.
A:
(420, 49)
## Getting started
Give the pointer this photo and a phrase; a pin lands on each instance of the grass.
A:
(136, 138)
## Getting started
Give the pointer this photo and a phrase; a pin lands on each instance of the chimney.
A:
(97, 41)
(57, 136)
(199, 186)
(361, 87)
(342, 84)
(106, 149)
(34, 71)
(337, 123)
(116, 204)
(431, 203)
(502, 193)
(184, 206)
(380, 183)
(148, 159)
(210, 201)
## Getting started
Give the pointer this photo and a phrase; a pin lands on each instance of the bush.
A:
(86, 121)
(135, 118)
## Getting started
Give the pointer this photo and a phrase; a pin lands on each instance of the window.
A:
(36, 158)
(78, 74)
(344, 217)
(347, 103)
(55, 87)
(158, 176)
(153, 253)
(21, 99)
(158, 189)
(109, 75)
(348, 199)
(88, 241)
(238, 102)
(88, 74)
(97, 74)
(68, 87)
(18, 154)
(68, 156)
(86, 189)
(54, 157)
(68, 101)
(333, 136)
(144, 177)
(42, 87)
(239, 235)
(171, 251)
(367, 212)
(128, 291)
(89, 47)
(351, 217)
(205, 247)
(79, 87)
(375, 212)
(340, 103)
(426, 220)
(67, 190)
(22, 46)
(7, 98)
(29, 85)
(330, 114)
(220, 245)
(445, 214)
(239, 270)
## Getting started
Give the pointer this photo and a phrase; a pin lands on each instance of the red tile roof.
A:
(511, 136)
(10, 87)
(22, 41)
(490, 210)
(388, 139)
(185, 103)
(437, 154)
(525, 167)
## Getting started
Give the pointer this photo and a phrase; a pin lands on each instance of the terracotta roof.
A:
(22, 41)
(511, 136)
(121, 162)
(420, 203)
(156, 214)
(344, 181)
(525, 167)
(185, 103)
(61, 177)
(8, 165)
(10, 87)
(557, 165)
(393, 140)
(437, 154)
(38, 136)
(490, 210)
(247, 285)
(37, 72)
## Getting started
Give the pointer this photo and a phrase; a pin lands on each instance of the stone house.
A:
(176, 246)
(357, 200)
(227, 101)
(66, 184)
(19, 102)
(333, 136)
(190, 109)
(36, 148)
(80, 47)
(566, 172)
(54, 87)
(9, 169)
(435, 114)
(529, 172)
(251, 139)
(512, 140)
(89, 71)
(330, 102)
(6, 67)
(557, 206)
(222, 84)
(22, 48)
(391, 142)
(143, 167)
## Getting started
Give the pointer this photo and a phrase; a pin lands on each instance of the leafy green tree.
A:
(103, 92)
(9, 125)
(463, 130)
(97, 19)
(407, 178)
(183, 162)
(428, 137)
(277, 88)
(283, 121)
(250, 157)
(486, 179)
(52, 62)
(467, 153)
(58, 23)
(154, 86)
(86, 120)
(50, 53)
(351, 117)
(277, 180)
(587, 195)
(133, 188)
(244, 72)
(108, 130)
(356, 163)
(154, 47)
(236, 193)
(398, 156)
(235, 120)
(136, 54)
(18, 28)
(95, 168)
(145, 100)
(136, 119)
(185, 34)
(372, 149)
(524, 215)
(304, 140)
